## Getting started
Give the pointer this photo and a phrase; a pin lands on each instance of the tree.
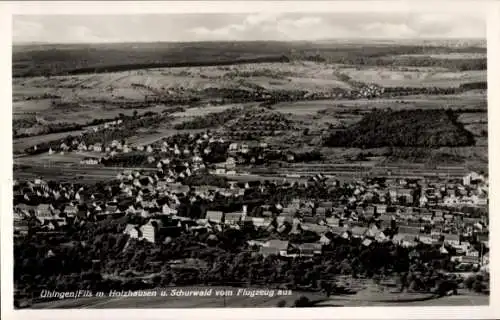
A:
(281, 304)
(302, 302)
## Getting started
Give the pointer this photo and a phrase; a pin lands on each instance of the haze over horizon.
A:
(74, 29)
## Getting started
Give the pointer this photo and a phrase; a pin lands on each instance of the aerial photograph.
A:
(250, 160)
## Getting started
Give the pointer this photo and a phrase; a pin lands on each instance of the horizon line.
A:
(248, 41)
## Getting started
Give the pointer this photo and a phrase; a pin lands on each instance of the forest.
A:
(45, 60)
(406, 128)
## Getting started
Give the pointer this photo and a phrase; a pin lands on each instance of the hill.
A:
(45, 60)
(407, 128)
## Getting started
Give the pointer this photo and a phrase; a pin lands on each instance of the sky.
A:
(244, 27)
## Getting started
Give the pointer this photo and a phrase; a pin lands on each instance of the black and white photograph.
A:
(250, 160)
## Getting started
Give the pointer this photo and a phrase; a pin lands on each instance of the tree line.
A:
(406, 128)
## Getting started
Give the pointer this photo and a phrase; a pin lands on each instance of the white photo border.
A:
(491, 11)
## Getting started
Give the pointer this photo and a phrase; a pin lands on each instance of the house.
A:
(220, 171)
(18, 215)
(334, 222)
(244, 148)
(214, 216)
(277, 247)
(380, 208)
(466, 180)
(405, 240)
(321, 212)
(409, 230)
(166, 210)
(21, 228)
(309, 249)
(43, 212)
(230, 163)
(425, 239)
(70, 210)
(423, 201)
(324, 240)
(393, 195)
(367, 242)
(89, 161)
(452, 239)
(486, 259)
(473, 253)
(438, 220)
(148, 232)
(197, 159)
(232, 217)
(407, 194)
(233, 146)
(326, 204)
(260, 222)
(358, 232)
(381, 237)
(372, 231)
(448, 217)
(132, 231)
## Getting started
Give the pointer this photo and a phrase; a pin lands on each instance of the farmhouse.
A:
(89, 161)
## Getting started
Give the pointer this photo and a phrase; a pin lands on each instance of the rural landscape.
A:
(342, 173)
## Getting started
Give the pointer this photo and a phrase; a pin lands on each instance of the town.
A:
(296, 174)
(165, 223)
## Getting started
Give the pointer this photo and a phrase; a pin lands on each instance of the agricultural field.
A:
(452, 55)
(22, 143)
(387, 77)
(81, 173)
(203, 86)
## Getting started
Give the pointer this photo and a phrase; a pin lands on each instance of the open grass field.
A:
(385, 76)
(31, 106)
(56, 159)
(145, 139)
(79, 173)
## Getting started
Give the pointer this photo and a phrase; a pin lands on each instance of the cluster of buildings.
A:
(157, 197)
(407, 212)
